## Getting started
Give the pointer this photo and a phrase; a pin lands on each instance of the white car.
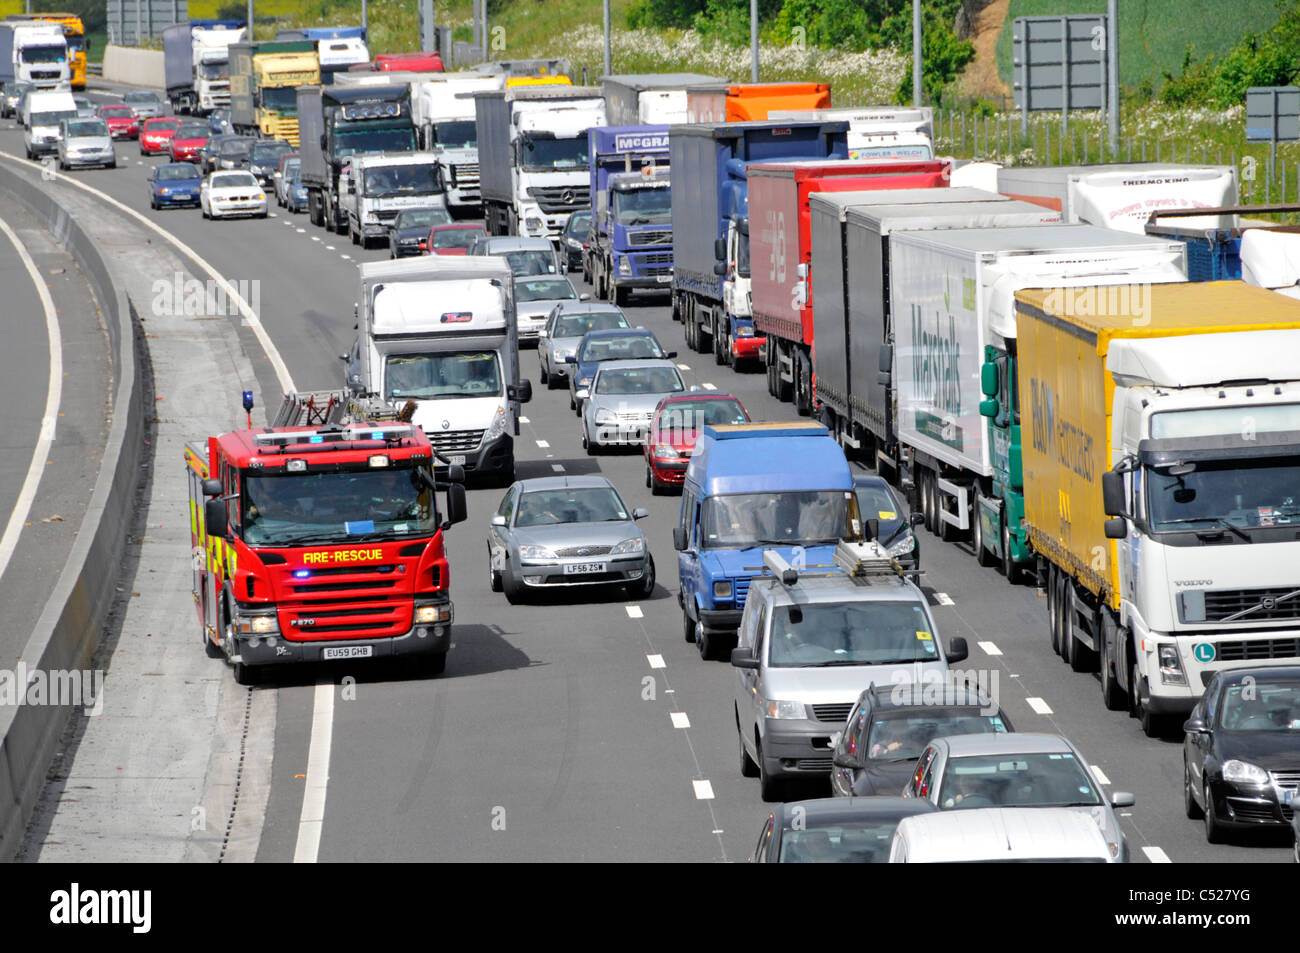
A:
(233, 192)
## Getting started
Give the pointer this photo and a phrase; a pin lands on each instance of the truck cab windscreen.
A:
(643, 206)
(795, 518)
(435, 376)
(1245, 494)
(851, 633)
(552, 155)
(403, 180)
(44, 54)
(367, 137)
(460, 134)
(283, 99)
(52, 118)
(214, 71)
(337, 507)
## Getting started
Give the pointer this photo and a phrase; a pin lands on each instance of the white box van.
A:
(42, 112)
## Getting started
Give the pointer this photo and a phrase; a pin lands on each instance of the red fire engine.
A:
(321, 540)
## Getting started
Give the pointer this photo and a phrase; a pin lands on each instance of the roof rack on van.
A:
(853, 559)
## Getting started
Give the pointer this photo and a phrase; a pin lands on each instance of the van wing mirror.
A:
(679, 538)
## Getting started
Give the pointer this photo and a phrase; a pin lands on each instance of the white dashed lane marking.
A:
(1039, 706)
(301, 231)
(680, 720)
(988, 648)
(557, 467)
(634, 612)
(703, 790)
(683, 367)
(656, 661)
(1156, 855)
(708, 386)
(943, 599)
(329, 247)
(543, 444)
(524, 420)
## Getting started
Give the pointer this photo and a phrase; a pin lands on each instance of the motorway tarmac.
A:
(62, 483)
(550, 736)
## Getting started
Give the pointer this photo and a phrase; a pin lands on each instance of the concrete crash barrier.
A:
(68, 631)
(126, 64)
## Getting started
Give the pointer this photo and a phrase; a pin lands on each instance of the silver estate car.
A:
(85, 142)
(566, 326)
(622, 401)
(1017, 770)
(567, 531)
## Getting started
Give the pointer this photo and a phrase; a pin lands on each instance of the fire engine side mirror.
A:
(211, 487)
(214, 518)
(455, 473)
(456, 510)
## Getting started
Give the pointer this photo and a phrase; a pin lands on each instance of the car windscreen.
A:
(177, 173)
(530, 262)
(162, 125)
(336, 507)
(845, 842)
(822, 635)
(578, 225)
(144, 98)
(1016, 780)
(443, 375)
(269, 153)
(903, 735)
(576, 325)
(640, 380)
(1261, 705)
(621, 347)
(689, 416)
(192, 130)
(789, 518)
(232, 148)
(876, 503)
(456, 237)
(243, 180)
(596, 504)
(87, 129)
(116, 112)
(543, 289)
(422, 218)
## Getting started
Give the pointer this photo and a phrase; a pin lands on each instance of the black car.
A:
(234, 153)
(208, 155)
(408, 232)
(891, 725)
(573, 241)
(879, 501)
(857, 830)
(1241, 750)
(264, 160)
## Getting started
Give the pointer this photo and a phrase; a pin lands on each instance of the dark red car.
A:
(412, 62)
(453, 239)
(156, 134)
(188, 141)
(121, 121)
(675, 427)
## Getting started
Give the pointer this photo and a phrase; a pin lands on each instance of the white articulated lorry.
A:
(878, 132)
(442, 332)
(374, 187)
(649, 99)
(1124, 196)
(443, 109)
(35, 53)
(196, 64)
(532, 144)
(951, 301)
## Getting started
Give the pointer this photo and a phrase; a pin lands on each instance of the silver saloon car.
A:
(566, 326)
(85, 142)
(622, 400)
(556, 532)
(535, 298)
(1017, 770)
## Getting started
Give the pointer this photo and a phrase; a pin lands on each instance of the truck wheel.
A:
(1008, 563)
(1053, 613)
(1112, 695)
(802, 384)
(719, 356)
(982, 556)
(748, 766)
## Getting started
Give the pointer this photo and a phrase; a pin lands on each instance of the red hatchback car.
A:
(156, 134)
(453, 239)
(188, 141)
(121, 121)
(676, 426)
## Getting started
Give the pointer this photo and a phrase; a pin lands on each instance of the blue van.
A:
(749, 488)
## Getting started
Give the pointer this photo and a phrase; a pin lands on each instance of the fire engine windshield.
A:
(295, 508)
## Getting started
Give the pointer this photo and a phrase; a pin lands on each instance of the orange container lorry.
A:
(747, 102)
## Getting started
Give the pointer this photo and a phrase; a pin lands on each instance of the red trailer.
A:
(781, 253)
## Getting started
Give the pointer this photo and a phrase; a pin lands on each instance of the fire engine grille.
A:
(835, 714)
(306, 589)
(556, 199)
(1268, 605)
(1246, 651)
(455, 441)
(658, 236)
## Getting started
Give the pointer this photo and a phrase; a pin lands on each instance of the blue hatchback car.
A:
(617, 344)
(174, 183)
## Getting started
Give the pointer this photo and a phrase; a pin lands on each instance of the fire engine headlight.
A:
(379, 460)
(427, 614)
(256, 625)
(1171, 669)
(296, 466)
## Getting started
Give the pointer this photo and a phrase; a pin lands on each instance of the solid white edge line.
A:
(53, 396)
(312, 818)
(255, 323)
(1156, 855)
